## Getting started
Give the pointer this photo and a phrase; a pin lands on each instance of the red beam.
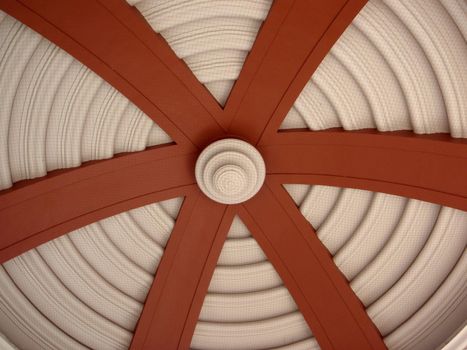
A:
(118, 44)
(36, 211)
(206, 277)
(335, 315)
(292, 43)
(114, 40)
(432, 168)
(174, 301)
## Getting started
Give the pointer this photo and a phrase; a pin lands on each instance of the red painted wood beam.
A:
(115, 41)
(174, 301)
(335, 315)
(432, 167)
(292, 43)
(35, 211)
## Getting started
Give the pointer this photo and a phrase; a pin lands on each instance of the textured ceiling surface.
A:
(212, 37)
(87, 288)
(405, 259)
(399, 66)
(247, 305)
(56, 113)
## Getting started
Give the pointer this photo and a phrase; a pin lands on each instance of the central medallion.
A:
(230, 171)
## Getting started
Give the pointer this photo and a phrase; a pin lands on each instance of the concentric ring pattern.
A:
(212, 37)
(247, 305)
(86, 289)
(399, 66)
(405, 259)
(93, 281)
(55, 113)
(230, 171)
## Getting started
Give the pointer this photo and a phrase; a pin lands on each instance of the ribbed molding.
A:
(405, 259)
(247, 305)
(86, 289)
(212, 37)
(400, 65)
(55, 113)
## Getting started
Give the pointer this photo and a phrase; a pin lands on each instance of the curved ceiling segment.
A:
(404, 259)
(86, 289)
(213, 38)
(246, 305)
(394, 68)
(398, 66)
(56, 113)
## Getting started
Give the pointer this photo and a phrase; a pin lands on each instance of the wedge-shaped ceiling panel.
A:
(247, 305)
(212, 37)
(55, 113)
(400, 65)
(405, 259)
(87, 288)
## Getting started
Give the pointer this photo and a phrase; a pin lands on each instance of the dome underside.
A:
(247, 305)
(86, 289)
(399, 66)
(212, 37)
(56, 113)
(405, 259)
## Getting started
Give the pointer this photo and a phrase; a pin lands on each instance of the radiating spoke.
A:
(432, 168)
(174, 301)
(293, 41)
(35, 211)
(114, 40)
(335, 315)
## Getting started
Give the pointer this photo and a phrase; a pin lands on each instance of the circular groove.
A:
(56, 113)
(422, 108)
(398, 68)
(88, 286)
(413, 266)
(230, 171)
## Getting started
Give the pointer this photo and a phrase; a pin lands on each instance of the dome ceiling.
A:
(356, 239)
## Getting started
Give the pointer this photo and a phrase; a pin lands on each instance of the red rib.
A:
(176, 296)
(333, 312)
(432, 167)
(290, 46)
(115, 41)
(65, 200)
